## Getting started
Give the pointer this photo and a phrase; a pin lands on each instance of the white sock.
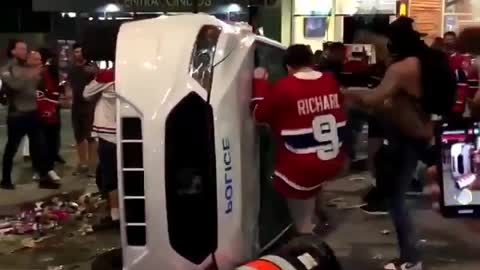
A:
(115, 213)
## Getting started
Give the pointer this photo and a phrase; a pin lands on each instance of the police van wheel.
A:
(302, 253)
(111, 260)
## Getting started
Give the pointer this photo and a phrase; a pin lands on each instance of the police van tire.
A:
(111, 260)
(306, 252)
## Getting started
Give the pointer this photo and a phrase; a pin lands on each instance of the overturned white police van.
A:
(192, 194)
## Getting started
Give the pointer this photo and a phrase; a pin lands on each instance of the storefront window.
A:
(311, 22)
(460, 14)
(317, 21)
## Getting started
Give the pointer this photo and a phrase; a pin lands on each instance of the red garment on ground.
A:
(307, 118)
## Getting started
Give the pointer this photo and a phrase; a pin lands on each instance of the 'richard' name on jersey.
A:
(315, 105)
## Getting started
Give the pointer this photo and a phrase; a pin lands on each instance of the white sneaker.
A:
(397, 265)
(54, 176)
(36, 177)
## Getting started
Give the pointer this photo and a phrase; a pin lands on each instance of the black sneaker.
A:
(106, 224)
(81, 170)
(376, 209)
(60, 160)
(372, 195)
(7, 185)
(48, 183)
(416, 188)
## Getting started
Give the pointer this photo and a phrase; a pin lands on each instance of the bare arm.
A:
(400, 76)
(94, 88)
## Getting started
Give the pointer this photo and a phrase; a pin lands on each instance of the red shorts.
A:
(303, 178)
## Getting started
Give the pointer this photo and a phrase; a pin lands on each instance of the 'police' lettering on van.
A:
(227, 163)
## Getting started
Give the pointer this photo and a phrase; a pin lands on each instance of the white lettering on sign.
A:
(163, 3)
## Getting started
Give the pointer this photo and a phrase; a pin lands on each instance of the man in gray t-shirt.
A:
(79, 75)
(21, 82)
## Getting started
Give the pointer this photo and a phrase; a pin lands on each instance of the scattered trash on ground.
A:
(447, 260)
(386, 232)
(35, 224)
(341, 203)
(334, 202)
(378, 257)
(60, 267)
(357, 178)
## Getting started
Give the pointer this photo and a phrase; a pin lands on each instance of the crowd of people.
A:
(311, 112)
(413, 86)
(34, 93)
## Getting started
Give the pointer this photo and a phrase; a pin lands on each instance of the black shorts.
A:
(107, 157)
(375, 128)
(82, 121)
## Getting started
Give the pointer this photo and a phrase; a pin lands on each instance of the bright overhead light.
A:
(112, 8)
(234, 8)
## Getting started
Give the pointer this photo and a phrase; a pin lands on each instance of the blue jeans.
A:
(395, 164)
(356, 119)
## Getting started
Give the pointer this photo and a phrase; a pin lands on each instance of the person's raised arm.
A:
(102, 82)
(18, 78)
(388, 87)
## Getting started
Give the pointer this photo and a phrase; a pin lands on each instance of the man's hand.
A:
(434, 189)
(91, 68)
(260, 73)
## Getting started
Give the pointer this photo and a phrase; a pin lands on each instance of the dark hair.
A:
(298, 56)
(404, 41)
(450, 33)
(336, 46)
(48, 54)
(12, 44)
(467, 41)
(77, 45)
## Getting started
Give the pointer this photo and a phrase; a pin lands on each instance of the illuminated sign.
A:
(312, 7)
(352, 7)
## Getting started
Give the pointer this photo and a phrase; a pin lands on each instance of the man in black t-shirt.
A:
(80, 74)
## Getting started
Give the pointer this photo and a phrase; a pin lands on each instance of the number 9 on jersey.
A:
(326, 133)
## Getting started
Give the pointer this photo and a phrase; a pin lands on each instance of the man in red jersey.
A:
(306, 114)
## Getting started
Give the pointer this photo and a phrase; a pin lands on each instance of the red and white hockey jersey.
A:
(467, 79)
(306, 114)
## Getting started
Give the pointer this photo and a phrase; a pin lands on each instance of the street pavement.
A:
(361, 242)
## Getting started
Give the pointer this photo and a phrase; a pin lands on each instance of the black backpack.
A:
(438, 82)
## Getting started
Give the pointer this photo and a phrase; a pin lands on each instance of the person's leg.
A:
(374, 199)
(57, 129)
(81, 141)
(41, 159)
(92, 142)
(26, 149)
(399, 165)
(50, 140)
(107, 153)
(15, 133)
(303, 214)
(92, 154)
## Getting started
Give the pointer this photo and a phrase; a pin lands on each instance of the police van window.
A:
(461, 170)
(271, 58)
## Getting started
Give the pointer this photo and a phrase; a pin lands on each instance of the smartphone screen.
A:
(460, 141)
